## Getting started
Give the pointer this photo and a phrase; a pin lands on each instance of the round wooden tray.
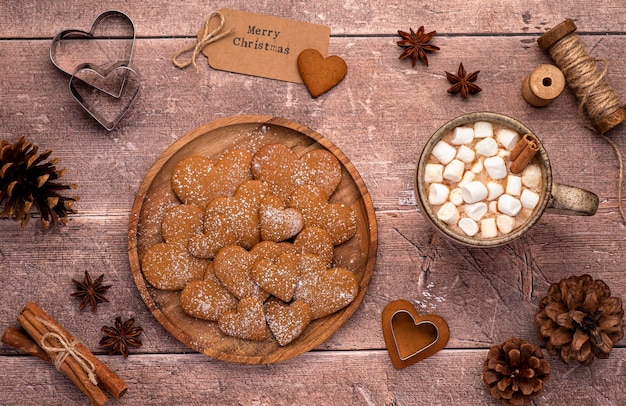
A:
(155, 196)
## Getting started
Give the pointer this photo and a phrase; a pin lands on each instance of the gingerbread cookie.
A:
(279, 277)
(287, 321)
(170, 267)
(197, 180)
(317, 241)
(206, 300)
(325, 290)
(283, 171)
(338, 220)
(320, 74)
(277, 222)
(247, 321)
(232, 267)
(180, 223)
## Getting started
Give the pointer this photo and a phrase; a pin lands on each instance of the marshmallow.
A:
(468, 226)
(477, 167)
(465, 154)
(487, 147)
(476, 211)
(513, 185)
(531, 176)
(474, 192)
(507, 138)
(507, 204)
(454, 171)
(505, 223)
(463, 135)
(488, 228)
(483, 129)
(444, 152)
(503, 153)
(529, 199)
(449, 214)
(456, 196)
(468, 176)
(493, 206)
(495, 166)
(438, 194)
(495, 190)
(433, 173)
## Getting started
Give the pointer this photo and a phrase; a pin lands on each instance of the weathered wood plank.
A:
(338, 378)
(380, 116)
(177, 18)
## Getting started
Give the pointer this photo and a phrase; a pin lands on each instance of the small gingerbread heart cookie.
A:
(246, 322)
(280, 277)
(231, 220)
(232, 267)
(197, 180)
(320, 74)
(277, 222)
(180, 223)
(325, 290)
(282, 170)
(316, 241)
(206, 300)
(170, 267)
(287, 321)
(338, 220)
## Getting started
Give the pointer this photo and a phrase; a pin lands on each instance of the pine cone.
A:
(515, 371)
(580, 320)
(26, 181)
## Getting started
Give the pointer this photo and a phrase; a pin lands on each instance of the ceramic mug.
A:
(554, 197)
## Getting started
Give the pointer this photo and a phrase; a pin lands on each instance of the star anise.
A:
(461, 82)
(90, 292)
(119, 338)
(415, 44)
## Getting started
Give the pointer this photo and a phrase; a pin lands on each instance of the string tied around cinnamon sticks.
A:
(597, 99)
(66, 348)
(204, 40)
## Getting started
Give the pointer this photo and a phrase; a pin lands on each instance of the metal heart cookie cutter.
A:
(108, 71)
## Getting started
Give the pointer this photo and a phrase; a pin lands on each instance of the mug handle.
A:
(572, 201)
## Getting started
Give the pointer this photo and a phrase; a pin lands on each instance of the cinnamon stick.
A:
(38, 323)
(18, 339)
(523, 152)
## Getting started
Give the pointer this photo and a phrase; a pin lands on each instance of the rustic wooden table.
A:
(380, 116)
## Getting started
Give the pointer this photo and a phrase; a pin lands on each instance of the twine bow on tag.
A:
(65, 349)
(206, 39)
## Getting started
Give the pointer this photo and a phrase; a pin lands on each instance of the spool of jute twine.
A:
(599, 105)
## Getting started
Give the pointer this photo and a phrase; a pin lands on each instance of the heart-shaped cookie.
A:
(247, 322)
(197, 180)
(279, 277)
(316, 241)
(206, 300)
(320, 74)
(325, 290)
(69, 48)
(410, 337)
(337, 219)
(287, 320)
(170, 267)
(282, 170)
(180, 223)
(277, 222)
(108, 110)
(232, 267)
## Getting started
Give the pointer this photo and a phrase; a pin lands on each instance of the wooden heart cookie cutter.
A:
(410, 337)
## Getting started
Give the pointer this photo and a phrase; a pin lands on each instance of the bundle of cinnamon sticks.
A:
(523, 152)
(44, 338)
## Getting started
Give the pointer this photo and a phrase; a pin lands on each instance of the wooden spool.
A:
(562, 30)
(543, 85)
